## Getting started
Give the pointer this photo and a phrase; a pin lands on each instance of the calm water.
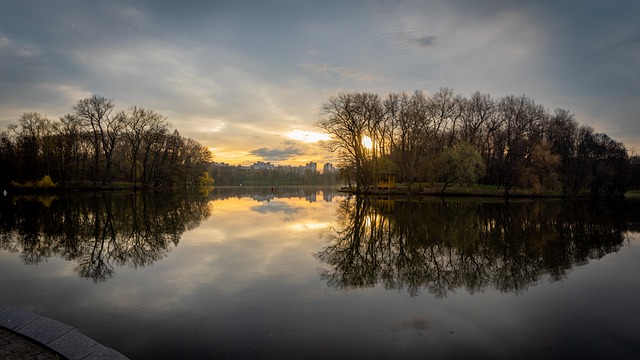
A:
(305, 273)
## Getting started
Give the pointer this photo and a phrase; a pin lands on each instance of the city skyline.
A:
(262, 165)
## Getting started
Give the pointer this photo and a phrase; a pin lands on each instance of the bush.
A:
(44, 183)
(205, 179)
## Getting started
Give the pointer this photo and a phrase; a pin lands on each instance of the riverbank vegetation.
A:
(226, 175)
(509, 142)
(95, 146)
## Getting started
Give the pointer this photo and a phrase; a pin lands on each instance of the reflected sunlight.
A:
(302, 226)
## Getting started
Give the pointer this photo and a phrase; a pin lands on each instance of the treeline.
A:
(446, 138)
(225, 175)
(96, 146)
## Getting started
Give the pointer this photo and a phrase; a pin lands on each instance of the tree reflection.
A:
(444, 246)
(101, 230)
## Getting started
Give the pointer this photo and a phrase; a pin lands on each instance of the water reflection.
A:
(267, 193)
(99, 231)
(444, 246)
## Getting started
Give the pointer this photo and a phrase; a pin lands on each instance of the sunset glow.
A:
(367, 142)
(308, 136)
(217, 75)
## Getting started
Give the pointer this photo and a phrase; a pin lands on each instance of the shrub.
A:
(44, 183)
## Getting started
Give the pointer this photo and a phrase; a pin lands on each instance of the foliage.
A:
(234, 175)
(350, 118)
(205, 179)
(634, 172)
(459, 164)
(520, 143)
(44, 183)
(97, 145)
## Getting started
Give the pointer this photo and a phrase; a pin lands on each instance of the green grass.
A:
(632, 193)
(475, 190)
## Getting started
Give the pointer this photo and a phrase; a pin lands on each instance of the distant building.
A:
(312, 166)
(328, 168)
(263, 166)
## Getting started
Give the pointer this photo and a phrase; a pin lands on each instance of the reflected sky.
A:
(246, 283)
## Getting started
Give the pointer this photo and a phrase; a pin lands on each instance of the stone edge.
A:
(55, 335)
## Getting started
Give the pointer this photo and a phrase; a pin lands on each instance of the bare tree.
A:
(413, 133)
(95, 114)
(476, 120)
(138, 123)
(523, 121)
(445, 109)
(349, 118)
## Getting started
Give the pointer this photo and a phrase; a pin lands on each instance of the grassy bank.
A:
(475, 190)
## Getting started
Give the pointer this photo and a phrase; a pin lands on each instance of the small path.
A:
(26, 335)
(17, 347)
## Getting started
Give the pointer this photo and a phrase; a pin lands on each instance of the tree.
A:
(459, 164)
(69, 143)
(138, 123)
(520, 142)
(205, 179)
(95, 144)
(7, 159)
(607, 163)
(195, 158)
(562, 135)
(523, 128)
(540, 172)
(34, 136)
(349, 118)
(152, 144)
(634, 172)
(445, 110)
(477, 120)
(95, 115)
(413, 133)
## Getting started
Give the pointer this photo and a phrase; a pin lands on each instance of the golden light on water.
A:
(309, 225)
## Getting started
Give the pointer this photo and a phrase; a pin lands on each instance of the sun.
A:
(367, 142)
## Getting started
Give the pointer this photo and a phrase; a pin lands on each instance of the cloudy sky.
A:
(248, 78)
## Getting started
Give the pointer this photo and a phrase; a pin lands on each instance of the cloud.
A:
(237, 77)
(341, 71)
(286, 152)
(308, 136)
(419, 40)
(278, 207)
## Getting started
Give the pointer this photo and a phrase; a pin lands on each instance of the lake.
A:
(301, 272)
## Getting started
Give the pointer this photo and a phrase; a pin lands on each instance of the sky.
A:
(248, 78)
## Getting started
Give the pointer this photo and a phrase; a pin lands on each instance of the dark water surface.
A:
(289, 273)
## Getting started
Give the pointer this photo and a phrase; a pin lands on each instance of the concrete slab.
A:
(74, 345)
(44, 330)
(13, 318)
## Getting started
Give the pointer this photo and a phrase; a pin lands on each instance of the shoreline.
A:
(476, 191)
